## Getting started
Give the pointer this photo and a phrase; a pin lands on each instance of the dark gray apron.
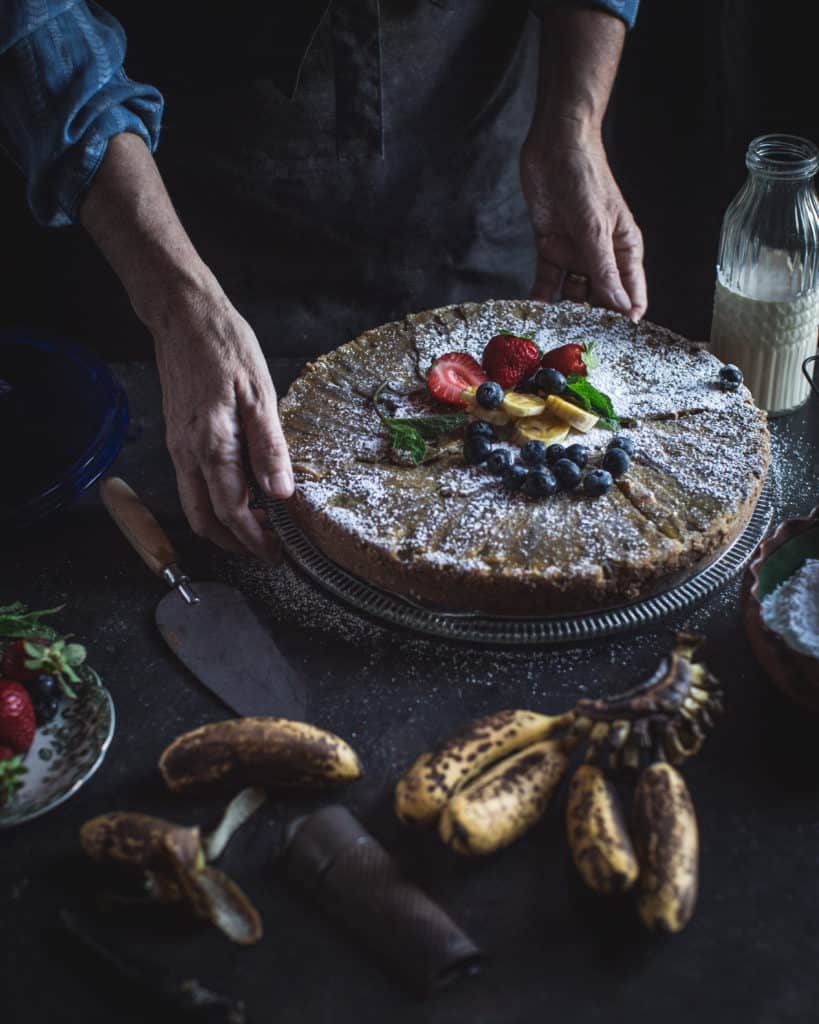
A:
(342, 164)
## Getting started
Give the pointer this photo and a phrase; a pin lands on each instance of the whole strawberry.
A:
(510, 359)
(15, 657)
(26, 660)
(11, 772)
(17, 723)
(570, 360)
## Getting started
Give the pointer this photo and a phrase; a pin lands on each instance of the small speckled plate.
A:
(65, 753)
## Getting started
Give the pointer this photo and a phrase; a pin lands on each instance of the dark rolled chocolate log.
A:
(353, 878)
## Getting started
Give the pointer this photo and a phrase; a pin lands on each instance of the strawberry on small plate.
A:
(45, 761)
(452, 374)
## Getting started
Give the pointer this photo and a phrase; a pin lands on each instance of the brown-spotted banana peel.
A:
(424, 789)
(667, 715)
(263, 751)
(175, 871)
(505, 801)
(664, 829)
(597, 833)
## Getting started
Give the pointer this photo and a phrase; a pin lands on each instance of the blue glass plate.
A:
(63, 418)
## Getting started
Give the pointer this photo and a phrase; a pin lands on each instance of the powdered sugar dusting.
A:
(791, 610)
(700, 454)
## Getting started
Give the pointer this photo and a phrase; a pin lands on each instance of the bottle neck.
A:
(784, 159)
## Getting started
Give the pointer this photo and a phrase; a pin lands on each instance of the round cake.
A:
(448, 533)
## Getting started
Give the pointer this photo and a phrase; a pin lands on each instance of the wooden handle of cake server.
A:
(138, 524)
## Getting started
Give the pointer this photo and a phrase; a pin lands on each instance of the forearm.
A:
(129, 214)
(580, 54)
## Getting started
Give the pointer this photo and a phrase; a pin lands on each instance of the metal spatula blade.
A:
(225, 646)
(208, 625)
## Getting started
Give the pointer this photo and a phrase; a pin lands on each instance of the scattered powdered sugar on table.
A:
(792, 609)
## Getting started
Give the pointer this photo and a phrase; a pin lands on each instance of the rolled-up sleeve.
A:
(626, 10)
(63, 95)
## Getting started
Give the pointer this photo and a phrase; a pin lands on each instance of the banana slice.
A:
(571, 414)
(520, 406)
(547, 429)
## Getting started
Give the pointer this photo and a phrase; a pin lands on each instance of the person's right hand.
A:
(217, 394)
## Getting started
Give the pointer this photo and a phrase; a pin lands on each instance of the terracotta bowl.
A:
(777, 558)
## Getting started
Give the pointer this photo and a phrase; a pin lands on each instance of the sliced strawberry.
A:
(510, 359)
(450, 374)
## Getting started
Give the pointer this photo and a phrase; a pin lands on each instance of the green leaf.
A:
(17, 621)
(410, 433)
(431, 427)
(407, 439)
(583, 393)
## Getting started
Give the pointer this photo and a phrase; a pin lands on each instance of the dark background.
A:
(698, 81)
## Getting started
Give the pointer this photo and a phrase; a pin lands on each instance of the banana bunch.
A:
(492, 781)
(489, 783)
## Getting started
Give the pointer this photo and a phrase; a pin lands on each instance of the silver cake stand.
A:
(500, 630)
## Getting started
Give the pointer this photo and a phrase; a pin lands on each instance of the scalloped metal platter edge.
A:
(500, 631)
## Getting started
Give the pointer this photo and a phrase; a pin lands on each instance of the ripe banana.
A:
(425, 787)
(267, 751)
(172, 863)
(665, 834)
(598, 838)
(502, 804)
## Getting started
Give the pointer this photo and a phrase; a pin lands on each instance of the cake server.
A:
(208, 625)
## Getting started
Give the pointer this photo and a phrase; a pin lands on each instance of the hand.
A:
(217, 391)
(582, 225)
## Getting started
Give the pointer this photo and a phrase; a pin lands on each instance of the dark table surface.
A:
(556, 951)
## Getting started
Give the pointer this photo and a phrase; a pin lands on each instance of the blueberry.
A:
(539, 483)
(567, 473)
(730, 377)
(480, 428)
(513, 478)
(597, 482)
(553, 453)
(499, 461)
(616, 461)
(533, 453)
(578, 453)
(43, 686)
(45, 709)
(550, 382)
(476, 450)
(489, 395)
(619, 441)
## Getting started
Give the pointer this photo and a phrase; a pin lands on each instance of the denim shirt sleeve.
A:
(626, 10)
(63, 94)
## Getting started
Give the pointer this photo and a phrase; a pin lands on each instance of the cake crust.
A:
(447, 535)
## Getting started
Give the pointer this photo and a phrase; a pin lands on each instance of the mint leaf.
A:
(583, 393)
(432, 427)
(405, 438)
(410, 433)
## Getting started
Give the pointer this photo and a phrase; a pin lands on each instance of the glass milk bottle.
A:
(766, 303)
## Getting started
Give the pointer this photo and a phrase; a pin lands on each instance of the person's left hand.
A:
(585, 234)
